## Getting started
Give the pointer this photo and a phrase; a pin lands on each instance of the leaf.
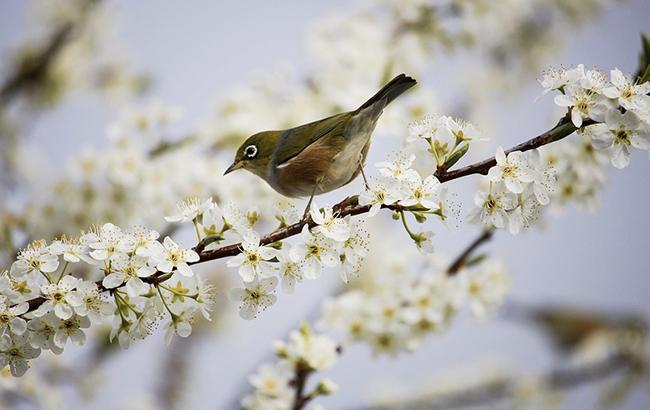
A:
(455, 156)
(643, 73)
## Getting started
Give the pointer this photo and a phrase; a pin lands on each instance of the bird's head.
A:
(256, 153)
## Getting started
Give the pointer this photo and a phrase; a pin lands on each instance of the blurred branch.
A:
(301, 375)
(31, 72)
(463, 259)
(496, 391)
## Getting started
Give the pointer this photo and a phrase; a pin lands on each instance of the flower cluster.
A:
(521, 182)
(403, 189)
(333, 242)
(395, 316)
(517, 186)
(620, 106)
(276, 384)
(132, 281)
(448, 139)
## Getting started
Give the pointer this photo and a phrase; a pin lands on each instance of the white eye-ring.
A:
(250, 151)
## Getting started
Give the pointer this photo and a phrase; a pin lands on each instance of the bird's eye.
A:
(250, 151)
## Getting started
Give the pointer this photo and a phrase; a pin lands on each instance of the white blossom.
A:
(10, 320)
(16, 352)
(129, 271)
(314, 251)
(328, 224)
(253, 261)
(60, 297)
(513, 170)
(381, 192)
(169, 256)
(35, 258)
(289, 271)
(492, 206)
(583, 104)
(422, 192)
(106, 242)
(630, 96)
(619, 134)
(257, 295)
(190, 209)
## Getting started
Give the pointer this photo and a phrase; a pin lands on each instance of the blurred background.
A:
(194, 78)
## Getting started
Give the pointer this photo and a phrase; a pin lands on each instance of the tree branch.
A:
(37, 68)
(494, 392)
(349, 207)
(462, 259)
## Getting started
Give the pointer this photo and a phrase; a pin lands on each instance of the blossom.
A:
(526, 212)
(313, 252)
(545, 182)
(289, 271)
(42, 331)
(629, 95)
(35, 258)
(10, 319)
(272, 380)
(169, 256)
(487, 287)
(382, 192)
(422, 192)
(59, 297)
(69, 329)
(257, 295)
(72, 250)
(462, 130)
(512, 170)
(353, 250)
(583, 104)
(492, 207)
(92, 304)
(399, 168)
(15, 351)
(105, 242)
(328, 225)
(318, 352)
(141, 241)
(423, 241)
(129, 270)
(618, 134)
(190, 209)
(253, 261)
(557, 79)
(179, 325)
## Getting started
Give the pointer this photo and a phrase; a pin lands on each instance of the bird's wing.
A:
(295, 140)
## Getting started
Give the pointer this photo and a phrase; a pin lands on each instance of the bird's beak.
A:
(235, 166)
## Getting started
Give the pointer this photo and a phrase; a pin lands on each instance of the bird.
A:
(320, 156)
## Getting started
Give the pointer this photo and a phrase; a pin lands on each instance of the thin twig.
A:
(462, 259)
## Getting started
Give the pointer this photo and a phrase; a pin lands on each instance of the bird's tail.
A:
(390, 91)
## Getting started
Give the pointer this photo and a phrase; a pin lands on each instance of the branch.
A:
(494, 392)
(462, 259)
(300, 400)
(348, 206)
(40, 63)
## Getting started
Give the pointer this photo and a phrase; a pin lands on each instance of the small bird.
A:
(320, 156)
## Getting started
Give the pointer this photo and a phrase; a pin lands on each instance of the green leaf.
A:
(644, 59)
(455, 156)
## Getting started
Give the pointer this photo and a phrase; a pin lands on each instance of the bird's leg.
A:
(311, 198)
(363, 175)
